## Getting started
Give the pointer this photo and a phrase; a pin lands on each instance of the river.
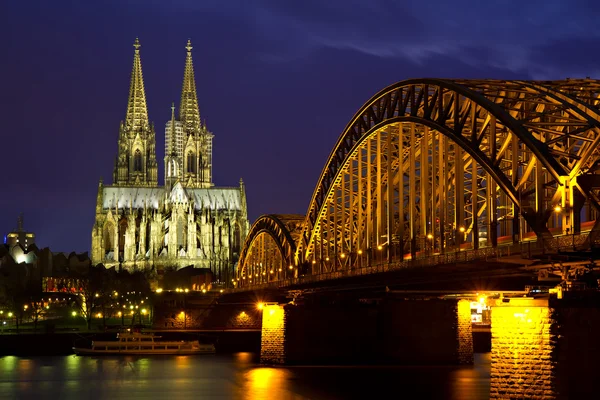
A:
(231, 376)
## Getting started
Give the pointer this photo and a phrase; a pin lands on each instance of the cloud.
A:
(520, 36)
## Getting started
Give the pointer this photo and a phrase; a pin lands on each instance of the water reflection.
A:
(264, 383)
(236, 376)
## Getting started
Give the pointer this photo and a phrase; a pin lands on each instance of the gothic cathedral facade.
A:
(186, 222)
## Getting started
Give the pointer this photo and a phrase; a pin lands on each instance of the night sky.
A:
(277, 82)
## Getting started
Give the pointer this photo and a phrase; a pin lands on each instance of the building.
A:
(186, 222)
(19, 236)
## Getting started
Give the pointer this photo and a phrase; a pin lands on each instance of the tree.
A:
(93, 293)
(134, 289)
(22, 289)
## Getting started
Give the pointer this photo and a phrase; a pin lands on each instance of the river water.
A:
(231, 376)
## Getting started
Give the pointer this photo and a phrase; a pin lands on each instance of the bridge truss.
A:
(432, 166)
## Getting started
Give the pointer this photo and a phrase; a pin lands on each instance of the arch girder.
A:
(276, 228)
(479, 124)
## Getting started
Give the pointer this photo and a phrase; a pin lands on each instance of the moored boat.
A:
(144, 344)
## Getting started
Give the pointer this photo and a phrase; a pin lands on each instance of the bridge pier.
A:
(545, 348)
(389, 331)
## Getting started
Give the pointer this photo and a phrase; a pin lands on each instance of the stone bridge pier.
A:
(392, 330)
(546, 348)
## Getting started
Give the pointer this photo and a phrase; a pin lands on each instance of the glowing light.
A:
(25, 307)
(360, 252)
(99, 315)
(260, 306)
(461, 229)
(429, 236)
(97, 295)
(144, 311)
(557, 208)
(291, 267)
(314, 261)
(119, 313)
(482, 299)
(343, 255)
(271, 271)
(203, 290)
(159, 290)
(272, 311)
(10, 314)
(327, 259)
(379, 247)
(74, 313)
(186, 290)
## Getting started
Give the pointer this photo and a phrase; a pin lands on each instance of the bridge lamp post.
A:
(359, 258)
(379, 256)
(430, 243)
(461, 229)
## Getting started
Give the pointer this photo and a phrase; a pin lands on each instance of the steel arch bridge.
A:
(432, 166)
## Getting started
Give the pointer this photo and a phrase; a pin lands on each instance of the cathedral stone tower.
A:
(188, 139)
(136, 159)
(187, 222)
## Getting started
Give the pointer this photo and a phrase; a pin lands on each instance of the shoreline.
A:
(62, 343)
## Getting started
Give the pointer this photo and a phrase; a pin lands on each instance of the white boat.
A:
(144, 344)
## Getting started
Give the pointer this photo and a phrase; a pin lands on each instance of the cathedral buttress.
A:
(136, 158)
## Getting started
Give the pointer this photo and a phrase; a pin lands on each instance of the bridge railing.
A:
(524, 249)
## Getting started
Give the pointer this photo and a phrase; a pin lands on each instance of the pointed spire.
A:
(137, 113)
(173, 135)
(189, 113)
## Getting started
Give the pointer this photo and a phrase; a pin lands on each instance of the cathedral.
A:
(188, 221)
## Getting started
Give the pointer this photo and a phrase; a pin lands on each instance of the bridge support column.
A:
(545, 349)
(429, 332)
(390, 331)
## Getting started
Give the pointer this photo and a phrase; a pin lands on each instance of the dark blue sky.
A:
(277, 82)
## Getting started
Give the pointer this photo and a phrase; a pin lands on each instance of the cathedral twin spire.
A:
(189, 112)
(137, 112)
(136, 160)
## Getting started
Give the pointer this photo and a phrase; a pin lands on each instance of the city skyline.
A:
(276, 86)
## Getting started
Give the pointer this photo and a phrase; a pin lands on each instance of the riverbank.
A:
(232, 341)
(61, 343)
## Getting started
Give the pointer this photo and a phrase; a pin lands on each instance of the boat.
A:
(144, 344)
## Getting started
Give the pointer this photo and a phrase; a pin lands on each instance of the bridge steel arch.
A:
(430, 165)
(269, 249)
(433, 166)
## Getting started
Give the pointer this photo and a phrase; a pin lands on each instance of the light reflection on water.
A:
(234, 376)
